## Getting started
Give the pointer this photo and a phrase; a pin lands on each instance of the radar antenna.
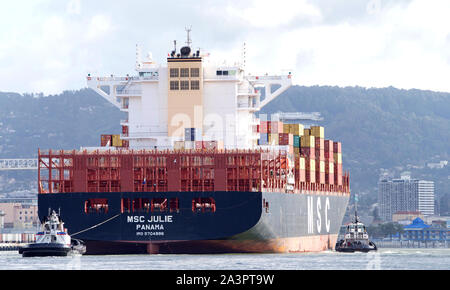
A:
(188, 31)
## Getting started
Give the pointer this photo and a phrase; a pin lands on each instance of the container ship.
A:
(197, 169)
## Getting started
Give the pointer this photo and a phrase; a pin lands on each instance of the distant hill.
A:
(66, 121)
(386, 128)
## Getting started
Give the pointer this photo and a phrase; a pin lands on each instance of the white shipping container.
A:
(189, 144)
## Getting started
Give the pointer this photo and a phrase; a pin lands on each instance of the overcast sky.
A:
(50, 45)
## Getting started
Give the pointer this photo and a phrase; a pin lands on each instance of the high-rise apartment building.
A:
(405, 194)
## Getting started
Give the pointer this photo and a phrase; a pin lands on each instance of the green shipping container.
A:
(297, 141)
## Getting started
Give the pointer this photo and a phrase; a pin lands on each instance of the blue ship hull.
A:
(242, 222)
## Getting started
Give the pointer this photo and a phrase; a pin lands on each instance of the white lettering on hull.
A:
(318, 215)
(151, 226)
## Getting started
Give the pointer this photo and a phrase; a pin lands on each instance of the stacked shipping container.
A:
(113, 141)
(317, 160)
(317, 163)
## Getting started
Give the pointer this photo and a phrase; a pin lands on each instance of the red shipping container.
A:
(319, 143)
(338, 174)
(329, 178)
(269, 127)
(104, 139)
(320, 177)
(310, 176)
(337, 148)
(329, 150)
(283, 139)
(320, 154)
(309, 152)
(328, 145)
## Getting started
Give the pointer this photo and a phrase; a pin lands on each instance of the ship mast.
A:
(188, 31)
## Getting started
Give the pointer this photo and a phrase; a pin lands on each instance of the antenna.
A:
(138, 56)
(244, 52)
(188, 31)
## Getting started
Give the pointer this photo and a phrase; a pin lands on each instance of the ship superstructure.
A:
(195, 171)
(219, 101)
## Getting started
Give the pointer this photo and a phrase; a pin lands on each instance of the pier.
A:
(411, 244)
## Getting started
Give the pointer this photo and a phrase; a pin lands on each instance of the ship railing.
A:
(216, 77)
(128, 92)
(247, 92)
(267, 78)
(123, 79)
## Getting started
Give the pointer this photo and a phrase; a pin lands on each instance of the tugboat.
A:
(355, 239)
(53, 240)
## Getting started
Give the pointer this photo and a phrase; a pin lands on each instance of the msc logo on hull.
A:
(318, 223)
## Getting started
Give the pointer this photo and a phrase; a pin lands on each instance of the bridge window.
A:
(202, 204)
(174, 72)
(174, 85)
(96, 205)
(184, 85)
(195, 72)
(195, 85)
(184, 72)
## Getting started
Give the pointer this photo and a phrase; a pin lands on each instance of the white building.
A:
(405, 194)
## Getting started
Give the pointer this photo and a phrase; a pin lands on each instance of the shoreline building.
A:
(405, 194)
(18, 213)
